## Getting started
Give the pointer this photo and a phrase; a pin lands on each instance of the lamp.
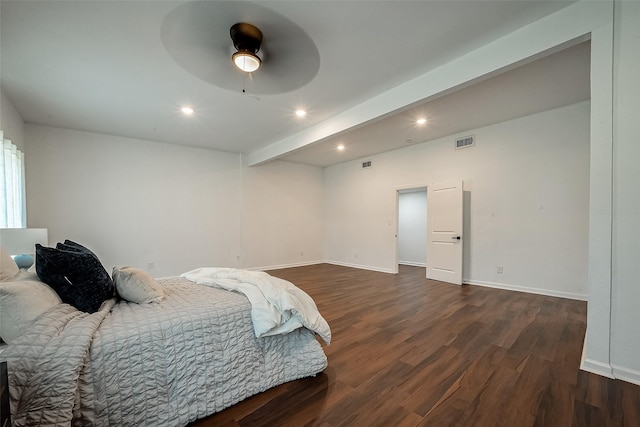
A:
(246, 61)
(21, 242)
(247, 40)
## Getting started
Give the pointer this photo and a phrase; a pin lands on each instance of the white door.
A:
(444, 232)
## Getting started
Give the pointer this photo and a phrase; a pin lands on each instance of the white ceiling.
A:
(117, 67)
(553, 81)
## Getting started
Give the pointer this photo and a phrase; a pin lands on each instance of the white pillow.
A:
(8, 267)
(21, 302)
(135, 285)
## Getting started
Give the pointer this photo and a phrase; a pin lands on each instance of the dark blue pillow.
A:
(72, 246)
(76, 274)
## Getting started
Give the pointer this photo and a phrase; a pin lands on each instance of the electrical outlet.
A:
(151, 265)
(500, 269)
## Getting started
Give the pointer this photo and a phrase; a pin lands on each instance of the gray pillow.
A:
(21, 302)
(8, 267)
(135, 285)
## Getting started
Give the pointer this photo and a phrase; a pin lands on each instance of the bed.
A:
(191, 353)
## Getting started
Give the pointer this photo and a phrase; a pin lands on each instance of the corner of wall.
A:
(11, 122)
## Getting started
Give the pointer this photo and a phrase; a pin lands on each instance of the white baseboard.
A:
(538, 291)
(611, 371)
(277, 267)
(625, 374)
(413, 264)
(362, 267)
(595, 367)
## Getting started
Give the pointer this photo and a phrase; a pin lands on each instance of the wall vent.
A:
(366, 165)
(465, 142)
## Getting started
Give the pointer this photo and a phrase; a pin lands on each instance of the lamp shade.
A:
(22, 241)
(246, 61)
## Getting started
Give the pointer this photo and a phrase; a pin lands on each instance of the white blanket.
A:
(278, 306)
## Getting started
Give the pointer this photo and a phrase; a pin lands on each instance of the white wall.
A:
(596, 357)
(136, 202)
(412, 228)
(11, 123)
(283, 215)
(527, 183)
(625, 346)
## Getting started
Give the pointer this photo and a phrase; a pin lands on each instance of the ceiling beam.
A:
(565, 28)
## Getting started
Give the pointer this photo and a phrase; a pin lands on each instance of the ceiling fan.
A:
(247, 39)
(213, 40)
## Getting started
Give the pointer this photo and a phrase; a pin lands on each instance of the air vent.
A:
(366, 165)
(465, 142)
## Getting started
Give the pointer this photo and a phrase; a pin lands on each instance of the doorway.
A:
(411, 243)
(430, 224)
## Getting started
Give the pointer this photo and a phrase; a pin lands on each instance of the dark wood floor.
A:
(408, 351)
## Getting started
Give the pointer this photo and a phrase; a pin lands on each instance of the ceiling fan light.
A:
(246, 61)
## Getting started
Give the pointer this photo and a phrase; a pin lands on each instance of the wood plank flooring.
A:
(408, 351)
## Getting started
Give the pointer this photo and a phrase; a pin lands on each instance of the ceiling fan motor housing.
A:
(246, 37)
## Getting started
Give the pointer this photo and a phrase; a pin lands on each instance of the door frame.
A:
(396, 219)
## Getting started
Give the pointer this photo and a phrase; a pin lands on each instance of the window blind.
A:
(12, 188)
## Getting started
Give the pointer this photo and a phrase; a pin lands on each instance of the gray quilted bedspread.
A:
(165, 364)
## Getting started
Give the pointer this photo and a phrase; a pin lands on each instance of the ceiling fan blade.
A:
(196, 35)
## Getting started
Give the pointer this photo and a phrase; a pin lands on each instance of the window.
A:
(12, 191)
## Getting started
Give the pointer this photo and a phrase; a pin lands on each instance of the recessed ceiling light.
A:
(421, 121)
(340, 147)
(301, 113)
(187, 110)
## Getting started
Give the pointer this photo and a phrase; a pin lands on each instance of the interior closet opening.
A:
(412, 227)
